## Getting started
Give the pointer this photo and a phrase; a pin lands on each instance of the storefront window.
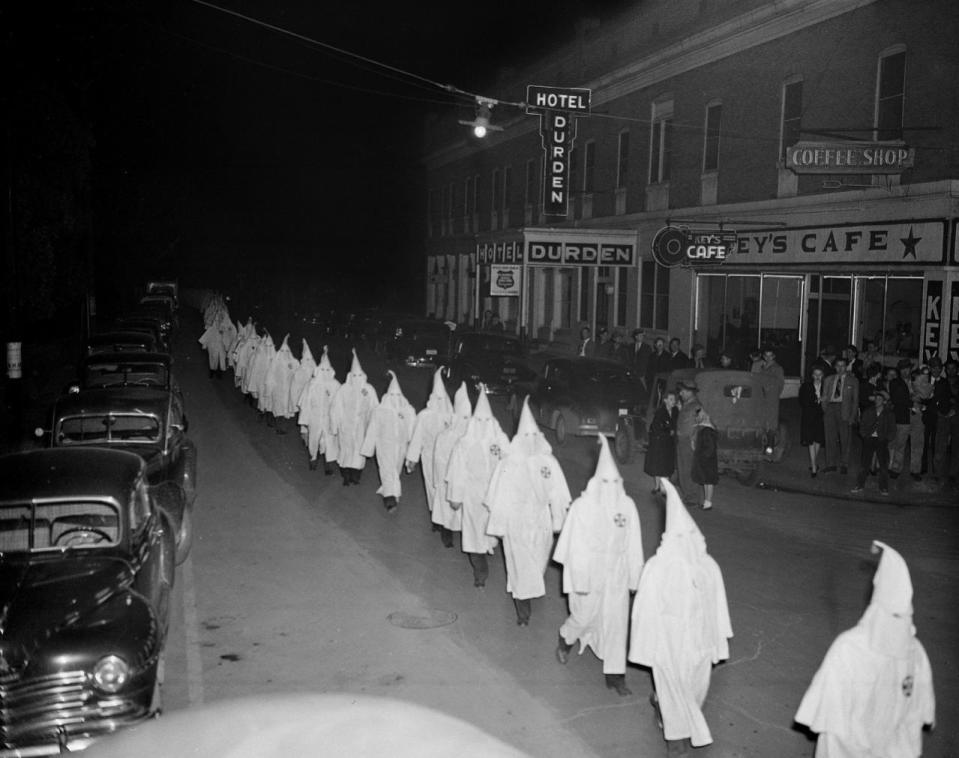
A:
(567, 286)
(889, 315)
(654, 296)
(828, 314)
(780, 320)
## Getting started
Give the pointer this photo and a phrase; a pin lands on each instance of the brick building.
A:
(695, 106)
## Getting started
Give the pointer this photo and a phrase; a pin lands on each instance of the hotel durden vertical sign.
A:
(557, 108)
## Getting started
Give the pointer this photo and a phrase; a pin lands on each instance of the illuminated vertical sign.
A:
(557, 109)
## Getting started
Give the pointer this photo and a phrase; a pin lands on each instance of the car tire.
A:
(189, 473)
(623, 445)
(185, 538)
(748, 477)
(560, 430)
(782, 444)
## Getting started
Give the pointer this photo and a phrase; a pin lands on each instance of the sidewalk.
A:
(792, 475)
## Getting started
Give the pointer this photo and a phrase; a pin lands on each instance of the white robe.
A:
(430, 422)
(260, 366)
(316, 403)
(680, 627)
(388, 436)
(866, 704)
(212, 342)
(441, 513)
(276, 397)
(601, 549)
(353, 405)
(527, 500)
(245, 351)
(300, 381)
(474, 457)
(228, 333)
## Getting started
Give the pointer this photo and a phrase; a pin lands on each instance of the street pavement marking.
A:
(194, 665)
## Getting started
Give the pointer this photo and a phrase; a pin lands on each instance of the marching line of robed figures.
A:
(873, 692)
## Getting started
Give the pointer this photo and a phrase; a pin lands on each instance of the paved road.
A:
(292, 580)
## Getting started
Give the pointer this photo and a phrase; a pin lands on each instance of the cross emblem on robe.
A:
(619, 519)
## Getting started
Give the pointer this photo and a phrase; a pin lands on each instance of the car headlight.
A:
(110, 673)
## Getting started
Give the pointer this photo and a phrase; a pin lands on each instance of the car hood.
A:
(42, 596)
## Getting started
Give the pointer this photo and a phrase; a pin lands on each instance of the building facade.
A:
(765, 119)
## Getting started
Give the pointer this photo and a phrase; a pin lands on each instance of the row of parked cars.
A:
(92, 527)
(577, 396)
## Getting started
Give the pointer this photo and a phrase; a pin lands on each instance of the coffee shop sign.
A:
(849, 158)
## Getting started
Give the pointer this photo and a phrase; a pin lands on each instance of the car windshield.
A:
(492, 343)
(112, 374)
(34, 527)
(98, 428)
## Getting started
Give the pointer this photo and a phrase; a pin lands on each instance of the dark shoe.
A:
(893, 474)
(446, 537)
(812, 474)
(843, 469)
(562, 650)
(345, 473)
(524, 609)
(212, 373)
(390, 503)
(355, 475)
(328, 469)
(654, 701)
(314, 465)
(618, 682)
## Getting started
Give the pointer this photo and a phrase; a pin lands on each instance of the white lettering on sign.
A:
(582, 253)
(844, 157)
(556, 108)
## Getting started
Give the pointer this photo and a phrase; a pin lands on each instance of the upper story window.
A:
(714, 120)
(450, 204)
(622, 161)
(791, 128)
(531, 173)
(654, 296)
(890, 94)
(431, 213)
(660, 148)
(589, 166)
(468, 205)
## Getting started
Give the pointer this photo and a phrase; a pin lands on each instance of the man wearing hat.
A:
(639, 355)
(877, 427)
(685, 429)
(900, 397)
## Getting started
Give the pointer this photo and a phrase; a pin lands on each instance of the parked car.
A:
(589, 396)
(152, 326)
(106, 370)
(494, 359)
(165, 287)
(418, 342)
(148, 422)
(118, 341)
(744, 408)
(86, 569)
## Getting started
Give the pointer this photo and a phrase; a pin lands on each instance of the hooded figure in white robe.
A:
(260, 367)
(301, 377)
(243, 331)
(680, 623)
(527, 499)
(228, 333)
(353, 405)
(447, 519)
(244, 351)
(212, 340)
(276, 397)
(873, 693)
(433, 419)
(388, 436)
(601, 549)
(315, 404)
(475, 455)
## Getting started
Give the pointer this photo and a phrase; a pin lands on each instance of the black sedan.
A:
(86, 569)
(589, 396)
(418, 342)
(495, 360)
(118, 370)
(148, 422)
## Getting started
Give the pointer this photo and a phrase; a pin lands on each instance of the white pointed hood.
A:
(285, 348)
(356, 376)
(888, 619)
(306, 355)
(462, 408)
(528, 440)
(394, 397)
(482, 426)
(439, 399)
(324, 368)
(681, 533)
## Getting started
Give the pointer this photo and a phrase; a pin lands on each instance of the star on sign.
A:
(909, 244)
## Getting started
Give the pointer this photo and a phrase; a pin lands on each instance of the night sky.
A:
(221, 146)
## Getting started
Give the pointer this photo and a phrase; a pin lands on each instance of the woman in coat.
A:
(661, 450)
(705, 470)
(812, 432)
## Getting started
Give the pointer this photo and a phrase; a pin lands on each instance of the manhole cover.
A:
(422, 619)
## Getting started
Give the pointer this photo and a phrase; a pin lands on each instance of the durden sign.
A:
(557, 109)
(673, 246)
(849, 157)
(581, 253)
